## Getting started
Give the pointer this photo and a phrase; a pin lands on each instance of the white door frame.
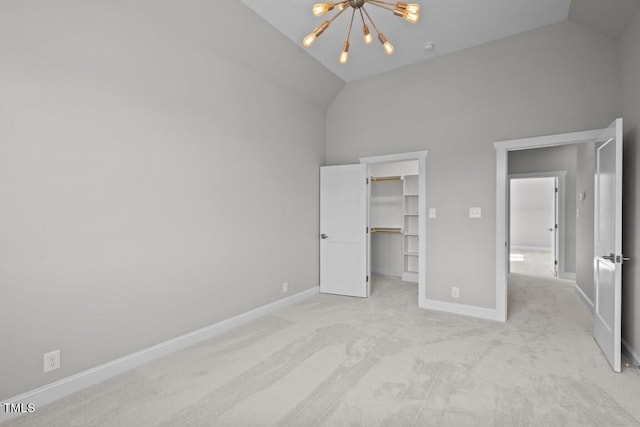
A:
(502, 184)
(560, 211)
(421, 157)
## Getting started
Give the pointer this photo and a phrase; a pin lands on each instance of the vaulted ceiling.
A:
(452, 25)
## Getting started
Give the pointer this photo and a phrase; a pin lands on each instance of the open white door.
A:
(608, 243)
(555, 228)
(343, 228)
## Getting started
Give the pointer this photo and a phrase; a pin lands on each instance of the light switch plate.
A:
(432, 213)
(475, 212)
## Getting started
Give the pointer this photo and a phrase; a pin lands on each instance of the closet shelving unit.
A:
(406, 205)
(410, 231)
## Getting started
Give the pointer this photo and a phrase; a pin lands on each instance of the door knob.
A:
(324, 236)
(549, 229)
(609, 257)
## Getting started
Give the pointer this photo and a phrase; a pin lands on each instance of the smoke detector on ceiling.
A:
(429, 46)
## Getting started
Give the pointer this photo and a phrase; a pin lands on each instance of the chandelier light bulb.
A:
(404, 13)
(308, 41)
(413, 8)
(320, 9)
(344, 55)
(388, 47)
(411, 17)
(368, 38)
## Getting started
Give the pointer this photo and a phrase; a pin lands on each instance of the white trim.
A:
(537, 174)
(386, 272)
(568, 276)
(502, 180)
(421, 157)
(66, 386)
(631, 354)
(399, 157)
(531, 248)
(548, 140)
(585, 299)
(410, 277)
(463, 309)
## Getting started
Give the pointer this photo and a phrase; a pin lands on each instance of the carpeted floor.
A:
(532, 263)
(339, 361)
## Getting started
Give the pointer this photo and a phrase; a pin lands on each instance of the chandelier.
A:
(410, 12)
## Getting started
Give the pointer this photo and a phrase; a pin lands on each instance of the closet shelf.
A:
(386, 230)
(411, 253)
(385, 178)
(411, 234)
(411, 195)
(410, 214)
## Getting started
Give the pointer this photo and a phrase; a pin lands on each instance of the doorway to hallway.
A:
(535, 224)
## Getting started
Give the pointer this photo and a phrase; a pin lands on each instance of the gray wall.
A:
(549, 160)
(138, 171)
(560, 78)
(630, 72)
(584, 217)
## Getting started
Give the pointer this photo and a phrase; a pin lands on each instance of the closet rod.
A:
(386, 230)
(385, 178)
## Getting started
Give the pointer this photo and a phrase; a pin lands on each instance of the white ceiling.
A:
(452, 25)
(608, 17)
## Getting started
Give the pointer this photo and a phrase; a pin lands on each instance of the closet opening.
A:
(396, 212)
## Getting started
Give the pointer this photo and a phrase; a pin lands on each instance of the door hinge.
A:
(555, 262)
(367, 230)
(367, 279)
(557, 226)
(367, 181)
(556, 189)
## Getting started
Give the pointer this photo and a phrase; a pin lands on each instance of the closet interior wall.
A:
(393, 207)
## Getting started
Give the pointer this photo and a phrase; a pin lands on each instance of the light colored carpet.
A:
(532, 263)
(339, 361)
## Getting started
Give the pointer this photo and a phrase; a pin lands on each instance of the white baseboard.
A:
(631, 354)
(568, 276)
(385, 272)
(463, 309)
(530, 248)
(410, 277)
(66, 386)
(585, 299)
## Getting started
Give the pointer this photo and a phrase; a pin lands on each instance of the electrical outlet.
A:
(52, 361)
(285, 287)
(475, 212)
(455, 292)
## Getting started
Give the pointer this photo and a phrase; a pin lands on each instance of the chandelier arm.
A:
(370, 20)
(351, 24)
(333, 18)
(362, 16)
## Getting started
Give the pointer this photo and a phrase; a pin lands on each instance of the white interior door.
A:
(555, 228)
(608, 243)
(343, 228)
